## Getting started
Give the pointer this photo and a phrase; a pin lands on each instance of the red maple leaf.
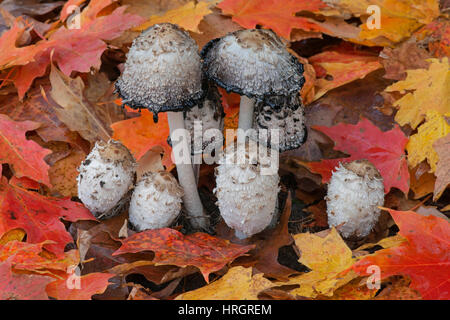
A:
(141, 133)
(82, 288)
(276, 15)
(366, 141)
(32, 257)
(76, 49)
(26, 157)
(201, 250)
(38, 216)
(425, 257)
(21, 286)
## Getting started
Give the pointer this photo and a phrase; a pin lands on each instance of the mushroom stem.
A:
(191, 198)
(246, 113)
(196, 168)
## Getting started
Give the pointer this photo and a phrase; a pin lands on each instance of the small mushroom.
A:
(255, 64)
(156, 201)
(105, 177)
(163, 74)
(355, 192)
(288, 120)
(246, 198)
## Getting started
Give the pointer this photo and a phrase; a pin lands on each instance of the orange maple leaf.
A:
(276, 15)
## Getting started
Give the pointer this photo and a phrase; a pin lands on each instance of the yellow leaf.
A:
(386, 243)
(398, 18)
(431, 91)
(187, 17)
(420, 145)
(237, 284)
(14, 234)
(327, 258)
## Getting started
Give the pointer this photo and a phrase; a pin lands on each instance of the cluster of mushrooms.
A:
(164, 72)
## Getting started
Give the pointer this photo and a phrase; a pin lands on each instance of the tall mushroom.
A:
(255, 64)
(163, 74)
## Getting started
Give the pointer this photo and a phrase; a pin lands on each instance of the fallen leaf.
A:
(422, 184)
(90, 284)
(341, 65)
(420, 145)
(21, 286)
(407, 56)
(354, 290)
(187, 17)
(39, 216)
(347, 104)
(214, 25)
(366, 141)
(428, 89)
(64, 173)
(327, 257)
(75, 49)
(26, 157)
(140, 134)
(272, 14)
(442, 147)
(32, 257)
(436, 36)
(201, 250)
(39, 107)
(237, 284)
(76, 112)
(397, 288)
(424, 257)
(399, 19)
(12, 55)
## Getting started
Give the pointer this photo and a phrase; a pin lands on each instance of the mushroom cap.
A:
(210, 113)
(253, 62)
(354, 194)
(290, 121)
(156, 201)
(105, 177)
(246, 198)
(162, 71)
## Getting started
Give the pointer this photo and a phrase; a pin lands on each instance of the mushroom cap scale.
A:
(289, 121)
(162, 71)
(254, 63)
(354, 194)
(156, 201)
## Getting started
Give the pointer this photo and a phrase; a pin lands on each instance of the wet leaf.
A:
(424, 257)
(206, 252)
(237, 284)
(25, 157)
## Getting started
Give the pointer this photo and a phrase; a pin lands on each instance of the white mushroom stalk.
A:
(186, 177)
(246, 108)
